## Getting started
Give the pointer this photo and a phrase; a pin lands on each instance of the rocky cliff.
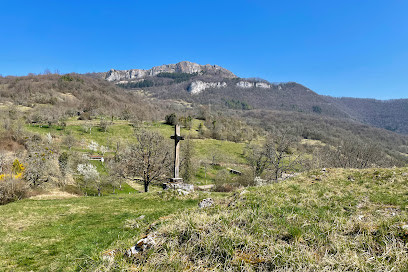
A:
(198, 86)
(181, 67)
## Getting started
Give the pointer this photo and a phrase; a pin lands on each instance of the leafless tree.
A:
(39, 165)
(117, 167)
(279, 155)
(353, 153)
(2, 162)
(274, 157)
(69, 141)
(257, 158)
(149, 158)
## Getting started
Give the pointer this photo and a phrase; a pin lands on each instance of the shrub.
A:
(246, 179)
(224, 182)
(171, 119)
(12, 189)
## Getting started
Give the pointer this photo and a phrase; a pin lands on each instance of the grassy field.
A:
(334, 220)
(229, 154)
(339, 220)
(66, 234)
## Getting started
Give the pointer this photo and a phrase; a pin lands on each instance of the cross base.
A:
(177, 183)
(176, 180)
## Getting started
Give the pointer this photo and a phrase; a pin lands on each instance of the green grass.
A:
(63, 235)
(225, 151)
(120, 130)
(348, 220)
(229, 154)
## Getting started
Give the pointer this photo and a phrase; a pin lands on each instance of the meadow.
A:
(67, 234)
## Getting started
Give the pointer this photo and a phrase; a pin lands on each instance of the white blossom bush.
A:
(93, 146)
(88, 171)
(103, 149)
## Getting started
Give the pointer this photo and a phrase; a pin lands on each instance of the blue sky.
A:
(339, 48)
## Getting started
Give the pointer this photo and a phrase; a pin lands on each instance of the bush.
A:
(246, 179)
(224, 182)
(171, 119)
(12, 190)
(85, 116)
(72, 190)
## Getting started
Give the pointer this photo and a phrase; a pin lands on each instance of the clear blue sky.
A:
(355, 48)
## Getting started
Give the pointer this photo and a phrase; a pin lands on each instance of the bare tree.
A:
(39, 165)
(149, 158)
(187, 161)
(69, 141)
(103, 125)
(273, 157)
(2, 162)
(353, 153)
(279, 155)
(117, 167)
(257, 158)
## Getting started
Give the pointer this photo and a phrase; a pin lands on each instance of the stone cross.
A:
(177, 138)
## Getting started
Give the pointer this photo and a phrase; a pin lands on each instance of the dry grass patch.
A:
(336, 220)
(55, 194)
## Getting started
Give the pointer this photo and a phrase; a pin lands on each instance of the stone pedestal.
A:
(177, 183)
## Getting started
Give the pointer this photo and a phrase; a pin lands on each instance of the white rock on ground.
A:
(141, 245)
(208, 202)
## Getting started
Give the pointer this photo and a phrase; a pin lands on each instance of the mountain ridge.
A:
(180, 67)
(213, 84)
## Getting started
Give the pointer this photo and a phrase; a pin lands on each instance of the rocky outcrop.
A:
(248, 84)
(262, 85)
(117, 75)
(198, 86)
(181, 67)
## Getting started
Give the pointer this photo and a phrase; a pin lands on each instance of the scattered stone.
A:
(182, 192)
(315, 177)
(109, 255)
(243, 192)
(350, 178)
(132, 251)
(324, 170)
(208, 202)
(134, 223)
(259, 181)
(179, 185)
(141, 245)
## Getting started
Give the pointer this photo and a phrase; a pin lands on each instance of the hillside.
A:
(207, 84)
(52, 100)
(330, 220)
(388, 114)
(256, 148)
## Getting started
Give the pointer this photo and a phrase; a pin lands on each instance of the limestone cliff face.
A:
(198, 86)
(181, 67)
(117, 75)
(247, 84)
